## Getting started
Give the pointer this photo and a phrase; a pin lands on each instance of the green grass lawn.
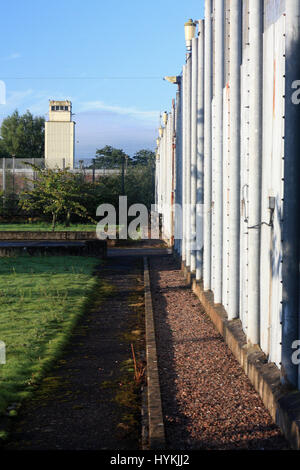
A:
(41, 299)
(46, 227)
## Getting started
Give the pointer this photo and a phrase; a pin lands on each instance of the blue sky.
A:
(79, 50)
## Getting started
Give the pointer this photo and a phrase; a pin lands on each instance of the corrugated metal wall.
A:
(251, 240)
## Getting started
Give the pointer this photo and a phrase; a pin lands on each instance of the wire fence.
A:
(16, 174)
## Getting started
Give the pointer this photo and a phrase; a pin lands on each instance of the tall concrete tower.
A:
(59, 135)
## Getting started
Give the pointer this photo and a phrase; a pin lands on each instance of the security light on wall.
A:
(172, 79)
(189, 31)
(165, 118)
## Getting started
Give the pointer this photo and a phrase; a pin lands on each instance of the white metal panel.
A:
(255, 161)
(194, 119)
(213, 196)
(200, 152)
(170, 178)
(268, 116)
(272, 174)
(226, 189)
(217, 213)
(245, 117)
(183, 245)
(277, 188)
(226, 158)
(208, 88)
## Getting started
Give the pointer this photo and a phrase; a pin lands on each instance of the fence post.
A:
(13, 174)
(4, 176)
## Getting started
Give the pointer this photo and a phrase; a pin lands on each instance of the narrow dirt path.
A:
(208, 401)
(86, 403)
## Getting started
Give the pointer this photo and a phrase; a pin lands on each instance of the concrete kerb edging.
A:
(38, 235)
(156, 429)
(282, 403)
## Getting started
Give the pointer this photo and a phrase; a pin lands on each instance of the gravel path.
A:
(208, 401)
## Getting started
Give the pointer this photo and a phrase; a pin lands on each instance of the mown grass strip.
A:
(46, 227)
(41, 299)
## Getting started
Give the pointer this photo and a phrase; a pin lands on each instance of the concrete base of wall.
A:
(282, 402)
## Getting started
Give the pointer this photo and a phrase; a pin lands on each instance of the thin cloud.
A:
(12, 56)
(129, 111)
(36, 101)
(15, 99)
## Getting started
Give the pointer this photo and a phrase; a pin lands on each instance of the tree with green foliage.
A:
(9, 206)
(109, 157)
(144, 157)
(3, 151)
(23, 135)
(139, 182)
(139, 187)
(57, 193)
(103, 191)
